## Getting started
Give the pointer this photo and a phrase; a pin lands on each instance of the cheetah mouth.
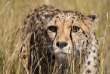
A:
(63, 55)
(63, 52)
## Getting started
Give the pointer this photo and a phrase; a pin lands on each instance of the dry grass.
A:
(13, 12)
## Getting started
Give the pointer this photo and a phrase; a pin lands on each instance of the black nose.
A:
(61, 44)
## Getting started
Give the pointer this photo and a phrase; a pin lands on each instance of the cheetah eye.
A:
(75, 29)
(52, 28)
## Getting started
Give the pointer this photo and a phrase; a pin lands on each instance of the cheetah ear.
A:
(94, 17)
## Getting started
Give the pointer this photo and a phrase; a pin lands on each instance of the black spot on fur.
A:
(28, 16)
(95, 66)
(87, 42)
(32, 18)
(35, 10)
(86, 35)
(93, 51)
(88, 62)
(25, 22)
(37, 16)
(88, 71)
(57, 16)
(82, 15)
(57, 10)
(89, 52)
(95, 58)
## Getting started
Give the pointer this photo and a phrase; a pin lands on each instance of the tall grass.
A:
(13, 12)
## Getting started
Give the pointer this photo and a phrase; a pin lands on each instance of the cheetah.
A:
(61, 42)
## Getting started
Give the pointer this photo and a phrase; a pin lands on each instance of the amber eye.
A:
(75, 29)
(52, 28)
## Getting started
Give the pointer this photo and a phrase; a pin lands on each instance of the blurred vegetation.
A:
(13, 13)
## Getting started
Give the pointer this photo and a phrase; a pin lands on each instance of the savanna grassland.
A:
(13, 13)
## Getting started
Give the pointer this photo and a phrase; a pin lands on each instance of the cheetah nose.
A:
(61, 44)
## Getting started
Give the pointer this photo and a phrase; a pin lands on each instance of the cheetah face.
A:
(68, 34)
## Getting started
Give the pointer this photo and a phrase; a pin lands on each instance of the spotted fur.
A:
(55, 40)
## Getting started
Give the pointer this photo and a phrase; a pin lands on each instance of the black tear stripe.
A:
(71, 35)
(54, 38)
(72, 41)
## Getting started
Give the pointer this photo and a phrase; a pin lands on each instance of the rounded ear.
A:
(94, 17)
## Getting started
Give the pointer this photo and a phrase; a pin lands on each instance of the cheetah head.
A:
(69, 32)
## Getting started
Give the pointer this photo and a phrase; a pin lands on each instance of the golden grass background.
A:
(13, 13)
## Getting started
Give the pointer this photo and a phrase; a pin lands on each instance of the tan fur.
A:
(79, 49)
